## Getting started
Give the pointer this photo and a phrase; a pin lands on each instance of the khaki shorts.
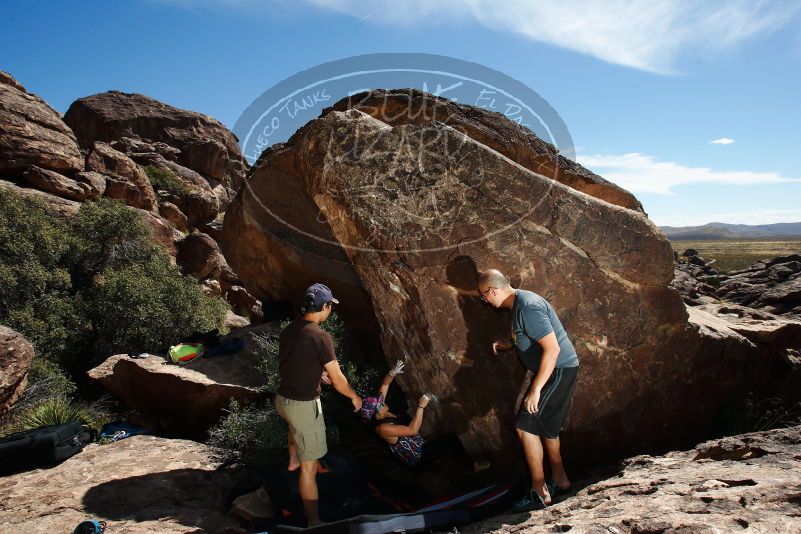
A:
(306, 425)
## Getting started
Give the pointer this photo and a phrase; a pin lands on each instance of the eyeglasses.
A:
(483, 294)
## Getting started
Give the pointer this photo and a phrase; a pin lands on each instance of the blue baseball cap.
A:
(321, 294)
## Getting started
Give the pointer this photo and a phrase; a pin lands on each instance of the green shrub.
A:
(767, 414)
(146, 307)
(82, 288)
(266, 352)
(45, 381)
(57, 410)
(255, 433)
(108, 234)
(165, 179)
(35, 282)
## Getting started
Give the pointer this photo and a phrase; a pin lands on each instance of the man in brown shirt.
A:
(305, 357)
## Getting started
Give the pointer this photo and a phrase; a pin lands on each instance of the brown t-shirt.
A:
(303, 349)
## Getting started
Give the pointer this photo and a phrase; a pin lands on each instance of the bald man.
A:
(544, 349)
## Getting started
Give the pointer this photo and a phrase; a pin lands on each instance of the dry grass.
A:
(730, 255)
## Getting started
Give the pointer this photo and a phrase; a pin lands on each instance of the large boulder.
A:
(125, 180)
(58, 184)
(773, 373)
(139, 485)
(16, 354)
(33, 133)
(274, 239)
(203, 143)
(491, 128)
(190, 192)
(406, 215)
(200, 256)
(180, 400)
(746, 483)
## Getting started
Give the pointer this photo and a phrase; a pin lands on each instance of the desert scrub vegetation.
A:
(165, 180)
(57, 410)
(50, 399)
(78, 289)
(82, 288)
(256, 434)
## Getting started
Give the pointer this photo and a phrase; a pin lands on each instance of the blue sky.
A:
(645, 87)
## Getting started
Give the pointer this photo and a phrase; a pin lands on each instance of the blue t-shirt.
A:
(533, 318)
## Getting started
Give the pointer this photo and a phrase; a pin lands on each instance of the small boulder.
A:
(172, 213)
(244, 303)
(199, 255)
(16, 354)
(211, 288)
(125, 180)
(94, 182)
(234, 321)
(180, 400)
(58, 184)
(32, 133)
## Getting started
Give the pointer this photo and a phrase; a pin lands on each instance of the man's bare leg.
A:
(293, 453)
(308, 491)
(558, 474)
(532, 448)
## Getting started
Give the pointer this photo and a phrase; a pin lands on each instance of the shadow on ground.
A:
(191, 497)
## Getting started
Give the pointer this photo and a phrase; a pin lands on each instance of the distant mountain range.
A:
(717, 230)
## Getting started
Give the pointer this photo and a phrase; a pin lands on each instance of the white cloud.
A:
(723, 141)
(641, 173)
(643, 34)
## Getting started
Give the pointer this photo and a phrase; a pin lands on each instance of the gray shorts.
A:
(554, 402)
(306, 426)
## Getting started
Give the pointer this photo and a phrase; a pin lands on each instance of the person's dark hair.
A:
(309, 307)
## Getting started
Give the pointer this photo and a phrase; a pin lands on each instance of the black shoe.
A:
(530, 501)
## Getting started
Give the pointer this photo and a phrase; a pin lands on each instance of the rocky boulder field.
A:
(105, 145)
(746, 483)
(397, 199)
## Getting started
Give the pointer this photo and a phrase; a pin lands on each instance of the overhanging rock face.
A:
(412, 106)
(420, 209)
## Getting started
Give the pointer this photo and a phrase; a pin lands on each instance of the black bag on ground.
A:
(43, 446)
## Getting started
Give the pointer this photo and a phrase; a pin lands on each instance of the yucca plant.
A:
(55, 411)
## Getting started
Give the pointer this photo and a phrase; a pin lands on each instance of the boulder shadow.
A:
(191, 497)
(493, 382)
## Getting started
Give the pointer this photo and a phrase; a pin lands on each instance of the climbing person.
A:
(405, 441)
(305, 353)
(544, 349)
